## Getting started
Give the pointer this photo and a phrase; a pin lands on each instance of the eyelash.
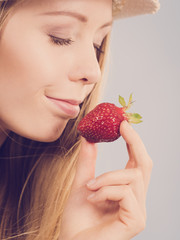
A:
(61, 41)
(68, 41)
(99, 50)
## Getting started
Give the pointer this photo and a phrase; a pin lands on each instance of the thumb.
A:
(86, 163)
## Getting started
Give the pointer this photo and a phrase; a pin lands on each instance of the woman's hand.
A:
(112, 206)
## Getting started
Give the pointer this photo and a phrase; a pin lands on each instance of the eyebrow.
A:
(76, 15)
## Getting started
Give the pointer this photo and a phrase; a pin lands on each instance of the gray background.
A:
(145, 60)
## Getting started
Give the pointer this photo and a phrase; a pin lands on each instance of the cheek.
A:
(21, 64)
(26, 57)
(25, 71)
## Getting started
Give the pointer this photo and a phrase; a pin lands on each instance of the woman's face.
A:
(48, 63)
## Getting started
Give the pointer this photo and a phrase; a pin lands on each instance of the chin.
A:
(42, 135)
(48, 137)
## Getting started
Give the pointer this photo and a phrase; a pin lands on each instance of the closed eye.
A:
(67, 41)
(99, 50)
(60, 41)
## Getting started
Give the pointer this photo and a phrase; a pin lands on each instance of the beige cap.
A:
(130, 8)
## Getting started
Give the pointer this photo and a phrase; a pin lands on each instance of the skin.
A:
(31, 67)
(114, 205)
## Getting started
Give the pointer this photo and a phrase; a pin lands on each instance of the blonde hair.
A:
(36, 177)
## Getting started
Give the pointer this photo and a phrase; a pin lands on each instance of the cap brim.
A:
(130, 8)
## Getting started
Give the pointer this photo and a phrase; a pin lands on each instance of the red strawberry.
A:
(103, 122)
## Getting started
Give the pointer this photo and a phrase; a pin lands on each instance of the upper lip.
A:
(71, 101)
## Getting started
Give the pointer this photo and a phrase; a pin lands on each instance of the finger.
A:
(118, 177)
(129, 211)
(123, 194)
(132, 177)
(131, 163)
(137, 150)
(86, 163)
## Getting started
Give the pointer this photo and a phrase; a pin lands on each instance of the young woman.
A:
(52, 55)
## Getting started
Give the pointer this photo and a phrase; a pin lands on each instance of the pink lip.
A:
(69, 107)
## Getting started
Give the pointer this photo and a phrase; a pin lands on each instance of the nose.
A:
(85, 66)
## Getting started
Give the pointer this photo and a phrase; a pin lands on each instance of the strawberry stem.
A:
(132, 117)
(130, 102)
(122, 101)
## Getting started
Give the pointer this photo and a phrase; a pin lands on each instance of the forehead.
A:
(98, 9)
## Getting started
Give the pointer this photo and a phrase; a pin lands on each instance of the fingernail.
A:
(91, 182)
(90, 196)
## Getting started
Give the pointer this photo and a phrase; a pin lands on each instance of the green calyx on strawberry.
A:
(102, 124)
